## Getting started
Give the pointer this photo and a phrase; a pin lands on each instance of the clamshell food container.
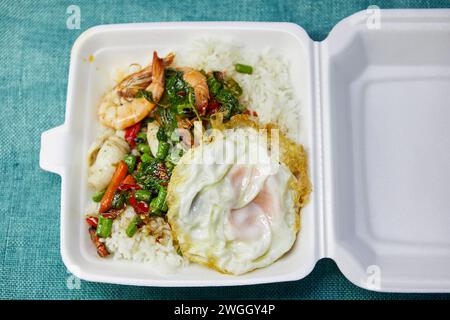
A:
(375, 119)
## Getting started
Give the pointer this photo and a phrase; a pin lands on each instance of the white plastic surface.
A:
(52, 142)
(375, 122)
(386, 110)
(118, 46)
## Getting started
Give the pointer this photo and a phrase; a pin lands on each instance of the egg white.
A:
(231, 203)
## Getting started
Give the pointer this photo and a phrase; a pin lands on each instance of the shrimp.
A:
(197, 81)
(118, 112)
(130, 86)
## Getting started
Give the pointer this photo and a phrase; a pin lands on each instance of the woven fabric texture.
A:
(35, 46)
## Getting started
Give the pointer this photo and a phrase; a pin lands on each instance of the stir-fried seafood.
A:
(161, 108)
(140, 80)
(103, 157)
(197, 80)
(120, 112)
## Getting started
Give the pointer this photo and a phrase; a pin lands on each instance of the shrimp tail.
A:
(167, 60)
(130, 86)
(157, 85)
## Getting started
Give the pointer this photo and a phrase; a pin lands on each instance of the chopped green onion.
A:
(143, 195)
(163, 150)
(143, 148)
(243, 68)
(133, 226)
(97, 197)
(130, 160)
(104, 227)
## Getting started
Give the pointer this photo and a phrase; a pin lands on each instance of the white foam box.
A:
(375, 119)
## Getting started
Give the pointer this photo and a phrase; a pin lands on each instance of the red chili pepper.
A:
(126, 187)
(131, 133)
(213, 107)
(101, 247)
(219, 75)
(92, 221)
(250, 113)
(140, 207)
(113, 213)
(138, 160)
(108, 215)
(181, 93)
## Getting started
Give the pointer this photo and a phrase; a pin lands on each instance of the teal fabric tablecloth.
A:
(34, 57)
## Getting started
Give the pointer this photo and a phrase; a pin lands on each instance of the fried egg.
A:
(233, 205)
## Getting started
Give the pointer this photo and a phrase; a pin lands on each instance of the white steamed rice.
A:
(143, 246)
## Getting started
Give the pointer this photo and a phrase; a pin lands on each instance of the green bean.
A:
(153, 204)
(163, 150)
(169, 165)
(143, 148)
(141, 137)
(159, 201)
(243, 68)
(97, 197)
(133, 226)
(104, 227)
(130, 160)
(118, 200)
(146, 158)
(143, 195)
(153, 207)
(165, 207)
